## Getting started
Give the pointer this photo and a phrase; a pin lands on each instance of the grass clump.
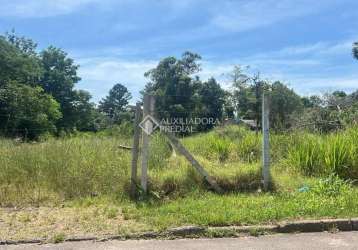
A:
(322, 155)
(306, 155)
(339, 155)
(58, 238)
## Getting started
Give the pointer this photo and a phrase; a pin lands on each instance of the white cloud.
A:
(319, 49)
(246, 15)
(308, 68)
(99, 74)
(319, 84)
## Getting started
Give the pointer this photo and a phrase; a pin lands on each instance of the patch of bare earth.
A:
(48, 223)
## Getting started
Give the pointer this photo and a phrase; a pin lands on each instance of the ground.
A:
(317, 241)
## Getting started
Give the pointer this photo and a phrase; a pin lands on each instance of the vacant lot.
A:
(79, 186)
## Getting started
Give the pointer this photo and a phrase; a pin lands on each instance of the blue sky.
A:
(305, 43)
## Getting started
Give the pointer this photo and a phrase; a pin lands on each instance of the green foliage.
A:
(247, 92)
(283, 103)
(329, 113)
(210, 101)
(114, 105)
(18, 63)
(27, 111)
(123, 130)
(59, 79)
(51, 71)
(355, 50)
(180, 95)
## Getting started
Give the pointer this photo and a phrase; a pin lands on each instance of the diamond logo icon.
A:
(149, 124)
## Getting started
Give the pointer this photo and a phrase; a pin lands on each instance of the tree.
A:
(114, 105)
(355, 50)
(311, 101)
(18, 63)
(24, 45)
(211, 102)
(85, 112)
(59, 79)
(284, 102)
(173, 85)
(181, 94)
(27, 111)
(247, 92)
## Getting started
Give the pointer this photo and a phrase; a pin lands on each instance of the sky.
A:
(305, 43)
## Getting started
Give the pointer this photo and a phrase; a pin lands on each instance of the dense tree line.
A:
(181, 93)
(38, 96)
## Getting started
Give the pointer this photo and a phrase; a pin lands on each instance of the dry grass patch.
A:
(48, 223)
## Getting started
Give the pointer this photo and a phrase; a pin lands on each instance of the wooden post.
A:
(148, 109)
(265, 142)
(194, 162)
(135, 149)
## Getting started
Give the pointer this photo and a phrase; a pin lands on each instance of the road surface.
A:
(326, 241)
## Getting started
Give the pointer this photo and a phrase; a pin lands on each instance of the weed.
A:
(58, 238)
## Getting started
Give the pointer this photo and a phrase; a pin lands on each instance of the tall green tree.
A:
(18, 63)
(181, 94)
(211, 101)
(247, 93)
(59, 79)
(51, 71)
(355, 50)
(27, 111)
(284, 103)
(115, 104)
(172, 82)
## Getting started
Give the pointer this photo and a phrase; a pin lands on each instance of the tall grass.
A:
(65, 169)
(335, 153)
(306, 154)
(88, 165)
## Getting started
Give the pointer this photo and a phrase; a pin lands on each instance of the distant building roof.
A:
(251, 123)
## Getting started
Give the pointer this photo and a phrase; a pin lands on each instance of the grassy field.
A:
(79, 185)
